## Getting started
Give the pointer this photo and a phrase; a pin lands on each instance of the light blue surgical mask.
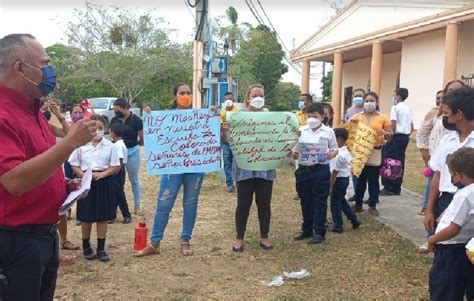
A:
(357, 101)
(301, 105)
(48, 83)
(394, 101)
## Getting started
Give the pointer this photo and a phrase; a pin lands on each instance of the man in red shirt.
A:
(32, 184)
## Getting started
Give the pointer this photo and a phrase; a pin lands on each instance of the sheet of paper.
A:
(76, 195)
(313, 153)
(470, 245)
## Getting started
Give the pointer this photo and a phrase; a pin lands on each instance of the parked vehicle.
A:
(104, 106)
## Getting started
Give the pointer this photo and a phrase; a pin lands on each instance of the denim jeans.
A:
(133, 167)
(228, 159)
(169, 189)
(339, 203)
(426, 193)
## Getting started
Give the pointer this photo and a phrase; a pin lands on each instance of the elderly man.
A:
(32, 184)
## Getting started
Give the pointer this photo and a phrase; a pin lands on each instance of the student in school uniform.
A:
(312, 179)
(402, 126)
(458, 118)
(452, 274)
(116, 137)
(99, 205)
(340, 168)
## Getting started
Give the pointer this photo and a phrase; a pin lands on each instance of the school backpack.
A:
(391, 169)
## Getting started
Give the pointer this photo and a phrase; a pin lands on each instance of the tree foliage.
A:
(284, 97)
(326, 85)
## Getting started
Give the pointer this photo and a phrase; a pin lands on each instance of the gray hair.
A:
(12, 47)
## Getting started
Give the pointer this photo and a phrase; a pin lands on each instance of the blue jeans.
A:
(426, 193)
(133, 167)
(339, 204)
(169, 189)
(228, 158)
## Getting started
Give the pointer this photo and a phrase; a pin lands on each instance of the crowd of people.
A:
(33, 185)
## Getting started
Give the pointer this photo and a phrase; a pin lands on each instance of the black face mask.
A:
(458, 185)
(326, 120)
(47, 114)
(119, 114)
(447, 125)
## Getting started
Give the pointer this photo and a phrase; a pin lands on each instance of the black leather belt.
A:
(311, 167)
(450, 246)
(34, 229)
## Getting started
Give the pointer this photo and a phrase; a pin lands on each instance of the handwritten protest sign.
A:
(181, 141)
(360, 143)
(312, 153)
(261, 140)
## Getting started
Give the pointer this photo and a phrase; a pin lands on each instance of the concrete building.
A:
(380, 45)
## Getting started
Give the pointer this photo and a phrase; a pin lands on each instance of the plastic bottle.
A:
(141, 236)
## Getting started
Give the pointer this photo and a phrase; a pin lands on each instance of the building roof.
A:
(342, 34)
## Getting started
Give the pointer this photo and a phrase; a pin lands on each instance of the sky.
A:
(294, 20)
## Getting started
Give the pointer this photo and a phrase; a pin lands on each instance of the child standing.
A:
(452, 274)
(116, 137)
(312, 176)
(340, 172)
(99, 205)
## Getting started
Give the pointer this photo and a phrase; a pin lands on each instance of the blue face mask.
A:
(394, 101)
(357, 101)
(301, 105)
(49, 79)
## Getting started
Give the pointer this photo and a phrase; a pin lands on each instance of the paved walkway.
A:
(401, 214)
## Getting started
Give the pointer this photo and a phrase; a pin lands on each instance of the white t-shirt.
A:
(342, 163)
(324, 137)
(448, 145)
(122, 150)
(461, 212)
(101, 157)
(401, 113)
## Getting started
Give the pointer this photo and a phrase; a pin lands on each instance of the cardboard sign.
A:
(261, 140)
(181, 141)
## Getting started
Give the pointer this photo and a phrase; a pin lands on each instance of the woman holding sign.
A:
(169, 188)
(250, 182)
(370, 174)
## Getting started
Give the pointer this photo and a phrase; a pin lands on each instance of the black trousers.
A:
(121, 198)
(452, 274)
(313, 188)
(28, 265)
(395, 149)
(368, 177)
(263, 196)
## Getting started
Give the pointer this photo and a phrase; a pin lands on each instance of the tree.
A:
(259, 60)
(234, 33)
(119, 48)
(284, 97)
(326, 85)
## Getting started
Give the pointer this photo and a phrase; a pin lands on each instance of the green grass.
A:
(413, 178)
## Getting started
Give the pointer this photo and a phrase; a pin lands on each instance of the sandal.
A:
(67, 245)
(89, 254)
(150, 249)
(186, 249)
(65, 260)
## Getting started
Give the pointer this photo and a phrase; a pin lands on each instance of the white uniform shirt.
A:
(322, 136)
(342, 163)
(401, 113)
(448, 145)
(122, 150)
(101, 157)
(461, 212)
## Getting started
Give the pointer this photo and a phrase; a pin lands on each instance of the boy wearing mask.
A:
(227, 154)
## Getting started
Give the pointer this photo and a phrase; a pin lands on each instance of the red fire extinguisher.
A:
(141, 236)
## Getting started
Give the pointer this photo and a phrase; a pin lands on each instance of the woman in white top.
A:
(99, 205)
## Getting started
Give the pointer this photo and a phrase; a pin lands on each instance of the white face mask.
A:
(228, 103)
(99, 135)
(257, 102)
(314, 123)
(370, 106)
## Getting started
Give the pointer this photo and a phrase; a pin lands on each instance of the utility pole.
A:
(201, 37)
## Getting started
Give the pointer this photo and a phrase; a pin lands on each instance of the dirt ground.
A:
(372, 262)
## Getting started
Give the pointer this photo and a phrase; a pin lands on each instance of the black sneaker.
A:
(89, 254)
(385, 192)
(230, 189)
(356, 224)
(316, 239)
(337, 230)
(302, 235)
(126, 220)
(102, 255)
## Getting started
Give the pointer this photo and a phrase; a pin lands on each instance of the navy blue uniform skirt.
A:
(100, 204)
